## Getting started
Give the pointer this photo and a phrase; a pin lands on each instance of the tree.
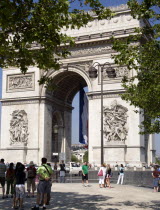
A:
(142, 53)
(85, 157)
(74, 158)
(31, 31)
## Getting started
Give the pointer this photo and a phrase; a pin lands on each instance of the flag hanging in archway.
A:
(83, 117)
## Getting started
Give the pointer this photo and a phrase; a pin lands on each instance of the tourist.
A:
(62, 172)
(10, 176)
(44, 172)
(85, 174)
(156, 175)
(120, 174)
(108, 176)
(55, 172)
(49, 191)
(2, 176)
(14, 185)
(20, 186)
(101, 175)
(31, 176)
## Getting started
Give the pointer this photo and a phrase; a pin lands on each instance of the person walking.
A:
(20, 186)
(155, 176)
(3, 169)
(44, 172)
(31, 176)
(121, 174)
(85, 174)
(62, 172)
(10, 176)
(101, 175)
(108, 176)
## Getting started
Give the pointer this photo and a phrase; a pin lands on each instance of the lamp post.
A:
(55, 143)
(93, 74)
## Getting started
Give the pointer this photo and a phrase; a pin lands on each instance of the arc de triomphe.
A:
(31, 114)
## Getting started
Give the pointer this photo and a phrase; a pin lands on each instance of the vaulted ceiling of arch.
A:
(67, 84)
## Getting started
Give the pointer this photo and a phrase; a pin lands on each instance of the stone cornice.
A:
(106, 94)
(35, 100)
(18, 148)
(119, 146)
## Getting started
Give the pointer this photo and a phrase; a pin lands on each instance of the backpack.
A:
(31, 172)
(121, 171)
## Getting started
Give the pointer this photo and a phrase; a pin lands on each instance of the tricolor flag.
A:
(83, 117)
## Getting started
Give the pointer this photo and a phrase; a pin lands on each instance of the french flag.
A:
(83, 117)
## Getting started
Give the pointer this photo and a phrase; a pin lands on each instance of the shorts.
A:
(43, 187)
(85, 177)
(31, 182)
(101, 179)
(155, 182)
(2, 181)
(20, 190)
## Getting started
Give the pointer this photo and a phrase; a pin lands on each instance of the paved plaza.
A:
(75, 196)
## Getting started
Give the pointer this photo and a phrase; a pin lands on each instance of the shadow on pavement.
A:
(61, 200)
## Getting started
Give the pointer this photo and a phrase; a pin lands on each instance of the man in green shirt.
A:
(85, 174)
(44, 171)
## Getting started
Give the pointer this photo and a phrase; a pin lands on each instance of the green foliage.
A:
(142, 53)
(31, 31)
(157, 161)
(85, 157)
(74, 158)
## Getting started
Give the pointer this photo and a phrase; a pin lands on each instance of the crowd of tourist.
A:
(40, 180)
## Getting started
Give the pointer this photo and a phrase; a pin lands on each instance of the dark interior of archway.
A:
(66, 85)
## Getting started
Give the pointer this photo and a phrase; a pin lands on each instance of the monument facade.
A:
(37, 122)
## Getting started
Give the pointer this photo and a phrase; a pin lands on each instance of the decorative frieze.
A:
(121, 71)
(20, 82)
(115, 122)
(19, 128)
(91, 50)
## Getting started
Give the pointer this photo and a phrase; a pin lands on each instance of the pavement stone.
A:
(69, 196)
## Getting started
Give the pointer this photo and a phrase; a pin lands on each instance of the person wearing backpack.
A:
(31, 176)
(45, 172)
(101, 175)
(10, 176)
(120, 174)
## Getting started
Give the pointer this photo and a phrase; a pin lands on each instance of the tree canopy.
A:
(143, 89)
(30, 30)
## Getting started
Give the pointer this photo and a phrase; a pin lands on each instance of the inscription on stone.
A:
(20, 82)
(115, 122)
(19, 127)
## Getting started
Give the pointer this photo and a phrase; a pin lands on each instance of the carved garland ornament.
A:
(115, 122)
(19, 127)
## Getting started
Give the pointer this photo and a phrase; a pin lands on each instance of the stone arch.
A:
(71, 71)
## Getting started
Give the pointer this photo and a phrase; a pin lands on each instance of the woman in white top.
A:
(121, 174)
(102, 178)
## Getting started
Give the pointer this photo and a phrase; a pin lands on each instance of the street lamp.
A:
(55, 152)
(93, 74)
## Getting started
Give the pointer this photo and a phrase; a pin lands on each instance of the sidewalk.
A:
(75, 196)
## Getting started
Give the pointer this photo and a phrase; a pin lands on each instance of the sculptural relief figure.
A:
(115, 122)
(20, 82)
(19, 127)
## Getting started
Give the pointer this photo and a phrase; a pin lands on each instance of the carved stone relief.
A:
(121, 71)
(115, 122)
(19, 127)
(91, 50)
(20, 82)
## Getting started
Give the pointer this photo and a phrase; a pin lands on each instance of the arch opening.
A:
(66, 85)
